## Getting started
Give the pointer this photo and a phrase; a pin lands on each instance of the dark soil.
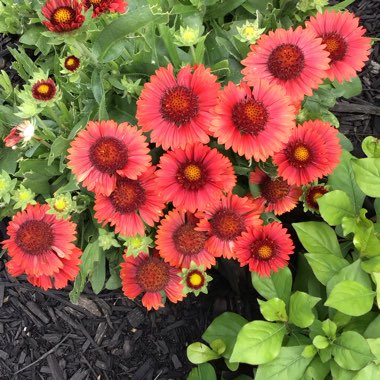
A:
(44, 336)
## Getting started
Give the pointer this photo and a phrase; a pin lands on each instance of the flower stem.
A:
(194, 57)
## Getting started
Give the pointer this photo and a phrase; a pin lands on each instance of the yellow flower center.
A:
(192, 173)
(195, 279)
(70, 62)
(60, 205)
(301, 153)
(316, 196)
(3, 184)
(249, 31)
(265, 252)
(95, 1)
(189, 36)
(63, 15)
(43, 89)
(136, 243)
(24, 195)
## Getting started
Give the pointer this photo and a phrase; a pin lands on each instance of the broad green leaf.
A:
(220, 10)
(258, 342)
(365, 240)
(374, 346)
(342, 5)
(369, 372)
(339, 373)
(348, 89)
(39, 166)
(218, 346)
(345, 142)
(318, 237)
(325, 266)
(335, 205)
(273, 310)
(367, 175)
(289, 364)
(321, 342)
(373, 329)
(329, 328)
(376, 278)
(58, 148)
(8, 160)
(351, 298)
(317, 370)
(301, 309)
(371, 265)
(231, 366)
(371, 147)
(351, 351)
(309, 351)
(98, 275)
(279, 284)
(225, 327)
(204, 371)
(199, 353)
(343, 178)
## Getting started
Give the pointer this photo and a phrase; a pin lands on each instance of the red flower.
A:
(132, 203)
(343, 39)
(101, 6)
(13, 138)
(255, 123)
(44, 90)
(152, 276)
(105, 150)
(72, 63)
(194, 177)
(312, 194)
(264, 249)
(63, 15)
(177, 110)
(278, 194)
(224, 222)
(41, 246)
(179, 243)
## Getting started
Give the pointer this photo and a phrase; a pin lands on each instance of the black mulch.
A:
(44, 336)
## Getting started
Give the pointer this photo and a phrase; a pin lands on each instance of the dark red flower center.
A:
(191, 176)
(188, 241)
(108, 155)
(195, 279)
(227, 224)
(179, 105)
(72, 63)
(250, 116)
(44, 90)
(299, 155)
(128, 196)
(274, 190)
(34, 237)
(313, 194)
(263, 249)
(63, 15)
(153, 274)
(286, 62)
(335, 45)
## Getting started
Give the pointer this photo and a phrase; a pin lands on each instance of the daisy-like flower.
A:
(104, 150)
(294, 59)
(177, 110)
(280, 197)
(179, 243)
(311, 194)
(344, 41)
(130, 204)
(152, 276)
(264, 249)
(194, 177)
(255, 123)
(44, 90)
(41, 245)
(101, 6)
(63, 15)
(195, 279)
(224, 222)
(71, 63)
(312, 152)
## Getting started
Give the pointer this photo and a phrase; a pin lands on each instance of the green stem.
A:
(42, 141)
(192, 50)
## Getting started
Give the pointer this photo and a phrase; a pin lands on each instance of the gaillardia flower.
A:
(179, 243)
(104, 150)
(41, 245)
(194, 177)
(71, 63)
(177, 110)
(294, 59)
(152, 276)
(280, 197)
(264, 249)
(101, 6)
(225, 220)
(63, 15)
(255, 123)
(312, 152)
(44, 90)
(195, 279)
(343, 39)
(311, 194)
(130, 204)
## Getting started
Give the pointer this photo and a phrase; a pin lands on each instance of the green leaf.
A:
(113, 281)
(98, 275)
(231, 366)
(351, 351)
(199, 353)
(371, 265)
(218, 346)
(367, 175)
(97, 86)
(374, 345)
(225, 327)
(376, 279)
(220, 10)
(373, 329)
(325, 266)
(258, 342)
(279, 284)
(351, 298)
(343, 178)
(329, 328)
(39, 166)
(58, 148)
(8, 160)
(317, 370)
(341, 5)
(202, 372)
(309, 351)
(371, 147)
(273, 310)
(289, 364)
(321, 342)
(335, 205)
(339, 373)
(345, 142)
(318, 237)
(348, 89)
(369, 372)
(301, 309)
